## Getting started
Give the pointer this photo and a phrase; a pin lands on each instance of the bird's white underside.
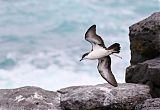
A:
(98, 53)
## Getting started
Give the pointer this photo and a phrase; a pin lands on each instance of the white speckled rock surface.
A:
(97, 97)
(29, 98)
(103, 97)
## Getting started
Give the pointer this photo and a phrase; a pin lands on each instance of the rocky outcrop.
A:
(145, 39)
(103, 97)
(149, 104)
(145, 53)
(29, 98)
(98, 97)
(148, 73)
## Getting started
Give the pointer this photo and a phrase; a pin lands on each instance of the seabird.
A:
(100, 52)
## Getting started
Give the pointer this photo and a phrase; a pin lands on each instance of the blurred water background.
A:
(41, 41)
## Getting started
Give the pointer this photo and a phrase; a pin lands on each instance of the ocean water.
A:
(41, 41)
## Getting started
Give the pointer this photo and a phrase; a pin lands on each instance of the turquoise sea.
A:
(41, 41)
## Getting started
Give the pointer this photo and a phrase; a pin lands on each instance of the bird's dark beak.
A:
(81, 59)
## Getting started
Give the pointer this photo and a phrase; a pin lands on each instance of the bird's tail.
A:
(115, 47)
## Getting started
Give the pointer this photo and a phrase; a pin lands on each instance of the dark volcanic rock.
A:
(29, 98)
(145, 53)
(148, 73)
(149, 104)
(103, 97)
(145, 39)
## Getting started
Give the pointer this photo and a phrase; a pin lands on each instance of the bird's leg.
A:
(117, 56)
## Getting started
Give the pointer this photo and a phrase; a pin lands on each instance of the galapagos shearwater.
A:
(100, 52)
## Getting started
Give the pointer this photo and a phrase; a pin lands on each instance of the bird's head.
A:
(84, 56)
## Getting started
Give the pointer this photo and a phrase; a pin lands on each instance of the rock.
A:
(103, 97)
(145, 39)
(29, 98)
(98, 97)
(149, 104)
(148, 73)
(145, 53)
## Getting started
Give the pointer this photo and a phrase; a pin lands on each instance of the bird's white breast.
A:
(99, 53)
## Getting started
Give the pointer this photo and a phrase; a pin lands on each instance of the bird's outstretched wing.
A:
(93, 38)
(104, 68)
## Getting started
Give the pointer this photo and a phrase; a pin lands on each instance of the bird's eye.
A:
(100, 44)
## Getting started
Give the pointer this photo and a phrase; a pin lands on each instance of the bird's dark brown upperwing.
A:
(93, 38)
(104, 68)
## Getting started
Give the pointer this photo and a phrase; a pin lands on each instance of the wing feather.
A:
(93, 38)
(104, 68)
